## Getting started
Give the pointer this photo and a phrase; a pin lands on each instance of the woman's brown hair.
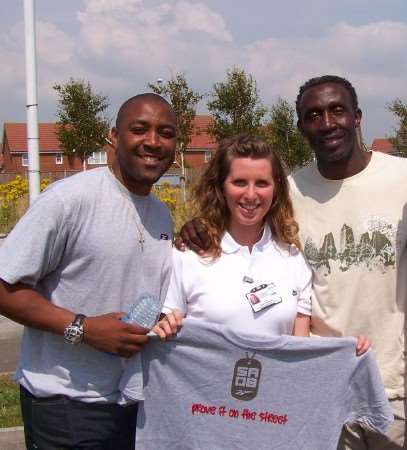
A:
(211, 203)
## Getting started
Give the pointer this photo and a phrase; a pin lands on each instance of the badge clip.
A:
(247, 279)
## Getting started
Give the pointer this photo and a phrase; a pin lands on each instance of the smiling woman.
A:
(243, 189)
(253, 277)
(248, 191)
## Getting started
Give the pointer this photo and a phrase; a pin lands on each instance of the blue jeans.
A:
(59, 423)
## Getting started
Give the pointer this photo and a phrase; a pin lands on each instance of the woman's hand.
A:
(362, 345)
(168, 325)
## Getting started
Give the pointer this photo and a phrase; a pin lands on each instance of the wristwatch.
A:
(73, 333)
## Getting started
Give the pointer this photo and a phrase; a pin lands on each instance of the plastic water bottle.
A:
(144, 312)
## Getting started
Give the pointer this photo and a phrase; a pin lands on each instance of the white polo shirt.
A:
(215, 291)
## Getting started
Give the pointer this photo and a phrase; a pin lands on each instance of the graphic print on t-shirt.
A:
(373, 249)
(246, 378)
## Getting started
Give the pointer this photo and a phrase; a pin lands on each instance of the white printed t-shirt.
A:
(215, 291)
(354, 235)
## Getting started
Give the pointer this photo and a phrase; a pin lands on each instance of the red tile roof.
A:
(200, 138)
(17, 137)
(382, 145)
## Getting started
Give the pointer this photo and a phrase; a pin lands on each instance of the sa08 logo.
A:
(246, 378)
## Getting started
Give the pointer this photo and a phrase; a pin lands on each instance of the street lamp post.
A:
(31, 105)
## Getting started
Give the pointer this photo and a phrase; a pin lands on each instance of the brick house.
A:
(14, 155)
(383, 145)
(202, 145)
(52, 159)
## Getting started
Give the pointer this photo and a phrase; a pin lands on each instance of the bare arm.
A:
(302, 325)
(25, 305)
(302, 328)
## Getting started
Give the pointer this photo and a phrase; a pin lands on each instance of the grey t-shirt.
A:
(78, 246)
(211, 389)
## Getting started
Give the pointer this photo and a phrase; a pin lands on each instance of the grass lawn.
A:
(10, 415)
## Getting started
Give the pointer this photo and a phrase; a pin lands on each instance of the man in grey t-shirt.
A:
(83, 254)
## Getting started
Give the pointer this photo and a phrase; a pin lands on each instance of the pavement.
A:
(12, 438)
(10, 337)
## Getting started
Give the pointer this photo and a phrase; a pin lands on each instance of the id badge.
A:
(263, 295)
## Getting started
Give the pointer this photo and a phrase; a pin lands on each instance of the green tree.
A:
(184, 100)
(235, 106)
(82, 127)
(282, 132)
(399, 141)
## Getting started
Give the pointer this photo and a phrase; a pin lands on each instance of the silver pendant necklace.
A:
(140, 227)
(142, 217)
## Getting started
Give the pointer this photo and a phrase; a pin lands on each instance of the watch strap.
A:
(78, 321)
(73, 333)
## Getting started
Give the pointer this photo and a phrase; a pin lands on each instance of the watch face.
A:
(73, 334)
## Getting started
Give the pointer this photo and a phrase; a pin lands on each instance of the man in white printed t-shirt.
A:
(351, 206)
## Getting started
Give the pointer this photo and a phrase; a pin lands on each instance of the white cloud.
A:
(130, 29)
(55, 48)
(371, 56)
(55, 51)
(12, 55)
(108, 6)
(198, 17)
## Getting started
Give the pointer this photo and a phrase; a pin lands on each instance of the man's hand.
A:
(107, 333)
(194, 236)
(110, 334)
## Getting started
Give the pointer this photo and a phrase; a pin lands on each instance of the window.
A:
(207, 156)
(59, 159)
(24, 159)
(99, 157)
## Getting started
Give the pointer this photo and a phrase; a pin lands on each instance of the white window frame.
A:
(59, 158)
(207, 156)
(24, 159)
(98, 157)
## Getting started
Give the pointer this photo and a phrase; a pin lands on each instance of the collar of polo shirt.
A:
(229, 245)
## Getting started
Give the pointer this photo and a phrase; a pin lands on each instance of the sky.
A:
(121, 45)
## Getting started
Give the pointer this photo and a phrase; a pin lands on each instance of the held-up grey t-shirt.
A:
(78, 246)
(211, 389)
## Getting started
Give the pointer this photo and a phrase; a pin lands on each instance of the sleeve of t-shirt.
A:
(167, 258)
(366, 397)
(176, 298)
(165, 276)
(304, 285)
(35, 245)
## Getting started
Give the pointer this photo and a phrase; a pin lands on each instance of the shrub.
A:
(181, 211)
(14, 201)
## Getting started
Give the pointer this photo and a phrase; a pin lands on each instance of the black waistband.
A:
(28, 394)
